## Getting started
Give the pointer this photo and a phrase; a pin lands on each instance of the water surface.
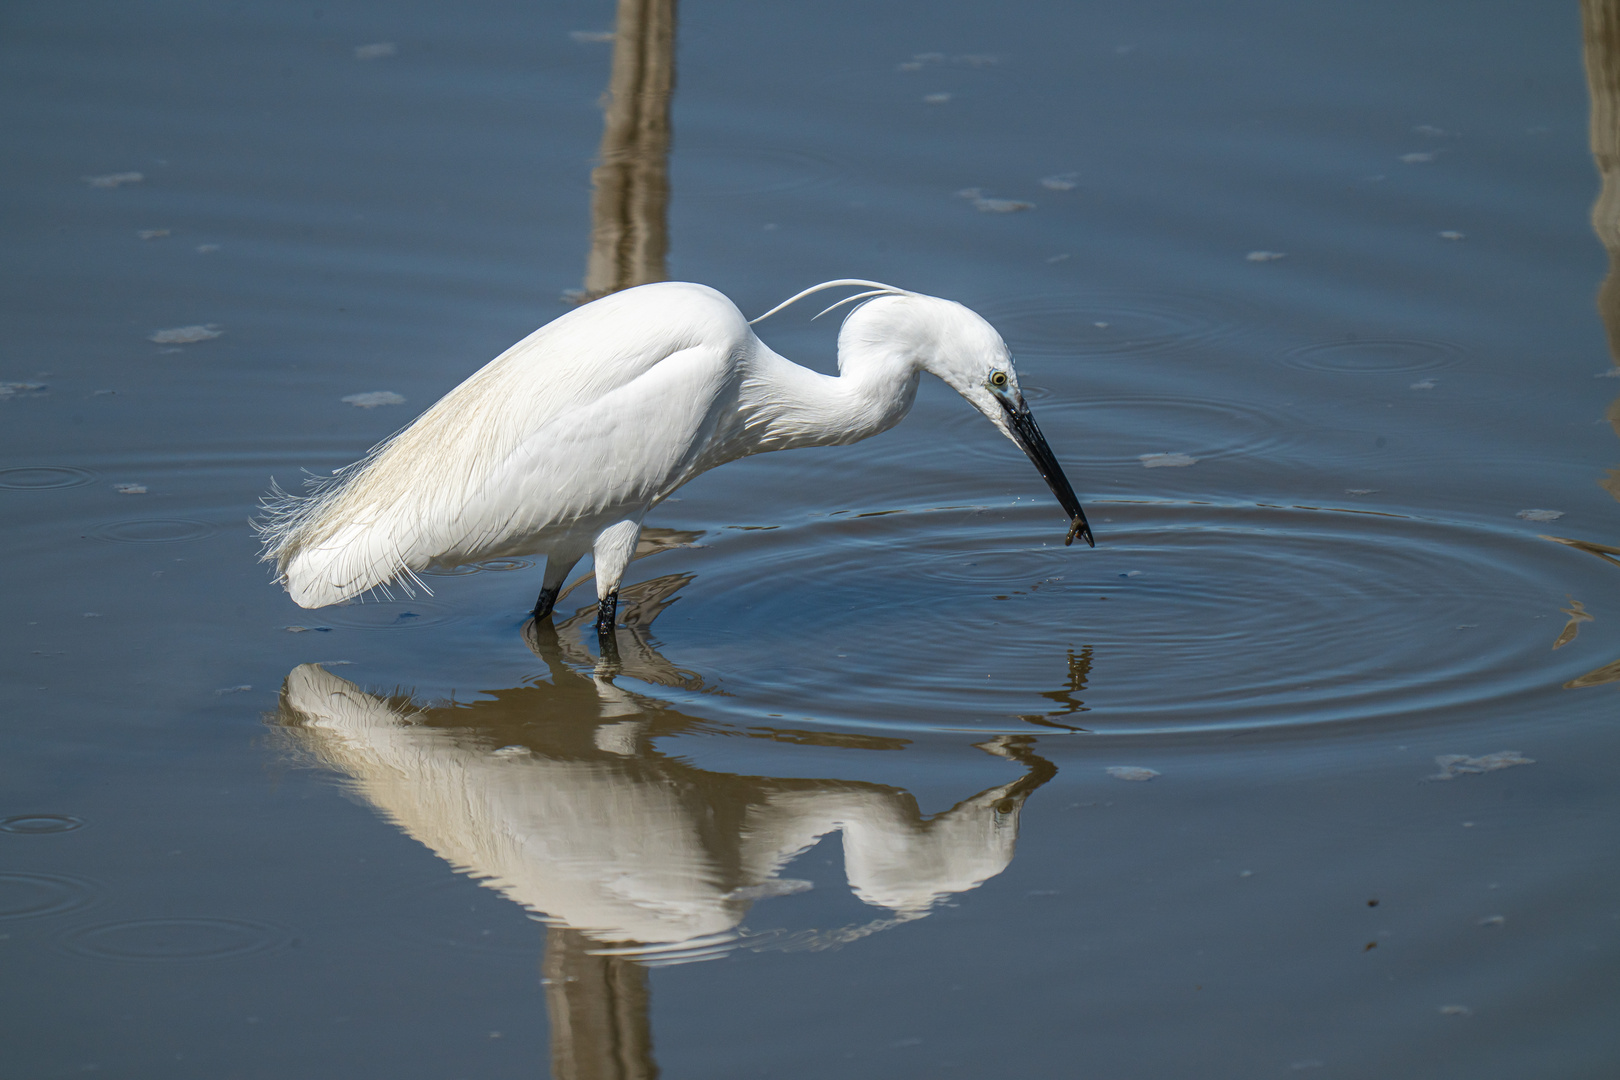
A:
(883, 780)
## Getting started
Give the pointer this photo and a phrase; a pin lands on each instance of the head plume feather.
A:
(877, 289)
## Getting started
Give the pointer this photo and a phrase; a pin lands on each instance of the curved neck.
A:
(785, 405)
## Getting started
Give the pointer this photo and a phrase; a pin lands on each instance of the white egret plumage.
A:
(560, 445)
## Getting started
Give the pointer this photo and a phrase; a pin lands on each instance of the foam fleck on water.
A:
(373, 398)
(1001, 206)
(1455, 765)
(186, 335)
(113, 180)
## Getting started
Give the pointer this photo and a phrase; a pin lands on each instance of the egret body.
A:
(560, 445)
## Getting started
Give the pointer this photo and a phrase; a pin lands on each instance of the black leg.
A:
(607, 639)
(548, 600)
(606, 610)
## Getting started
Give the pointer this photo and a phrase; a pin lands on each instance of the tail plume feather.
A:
(326, 551)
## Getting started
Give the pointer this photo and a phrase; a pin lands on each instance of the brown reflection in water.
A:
(1600, 26)
(598, 1010)
(630, 199)
(652, 541)
(1600, 35)
(1068, 699)
(556, 794)
(1605, 552)
(1578, 614)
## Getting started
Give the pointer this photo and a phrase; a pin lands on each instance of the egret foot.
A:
(606, 610)
(547, 601)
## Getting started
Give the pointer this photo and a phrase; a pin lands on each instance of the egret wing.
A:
(419, 496)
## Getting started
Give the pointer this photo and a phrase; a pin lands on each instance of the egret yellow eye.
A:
(998, 379)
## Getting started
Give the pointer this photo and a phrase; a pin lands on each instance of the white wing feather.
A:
(440, 489)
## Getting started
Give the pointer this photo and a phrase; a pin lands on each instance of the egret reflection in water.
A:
(557, 794)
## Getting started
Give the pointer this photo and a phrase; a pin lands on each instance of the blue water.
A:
(843, 806)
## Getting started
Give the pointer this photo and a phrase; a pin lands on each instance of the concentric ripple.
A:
(39, 824)
(31, 895)
(175, 940)
(153, 531)
(40, 477)
(1375, 356)
(1112, 323)
(1185, 618)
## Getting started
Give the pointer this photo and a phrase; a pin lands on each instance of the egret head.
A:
(957, 344)
(943, 337)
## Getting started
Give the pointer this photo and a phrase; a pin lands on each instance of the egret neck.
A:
(785, 405)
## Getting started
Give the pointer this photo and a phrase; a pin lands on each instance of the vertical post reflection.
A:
(598, 1009)
(630, 201)
(1600, 46)
(1600, 32)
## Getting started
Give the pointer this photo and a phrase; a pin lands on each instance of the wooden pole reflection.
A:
(1600, 32)
(598, 1011)
(630, 200)
(1600, 46)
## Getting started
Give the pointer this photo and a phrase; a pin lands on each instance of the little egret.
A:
(560, 445)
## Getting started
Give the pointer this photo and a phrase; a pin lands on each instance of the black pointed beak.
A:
(1033, 443)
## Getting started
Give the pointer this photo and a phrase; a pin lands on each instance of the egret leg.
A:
(607, 609)
(607, 635)
(547, 601)
(614, 546)
(558, 566)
